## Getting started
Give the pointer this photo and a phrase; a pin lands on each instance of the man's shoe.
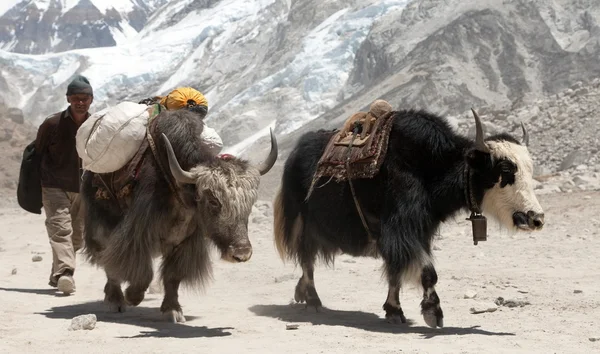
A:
(66, 284)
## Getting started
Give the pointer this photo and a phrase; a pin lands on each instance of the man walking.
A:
(60, 177)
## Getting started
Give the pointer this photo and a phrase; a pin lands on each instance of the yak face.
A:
(226, 191)
(507, 180)
(504, 175)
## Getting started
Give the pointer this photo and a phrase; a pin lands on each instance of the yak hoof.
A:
(397, 318)
(116, 303)
(174, 316)
(433, 319)
(117, 307)
(314, 302)
(309, 296)
(134, 297)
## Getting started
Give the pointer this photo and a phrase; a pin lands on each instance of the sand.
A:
(245, 309)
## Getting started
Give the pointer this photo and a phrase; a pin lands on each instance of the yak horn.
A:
(270, 160)
(525, 135)
(178, 173)
(479, 144)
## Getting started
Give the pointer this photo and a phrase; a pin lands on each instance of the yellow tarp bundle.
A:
(179, 98)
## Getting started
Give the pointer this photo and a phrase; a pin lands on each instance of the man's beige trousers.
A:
(64, 223)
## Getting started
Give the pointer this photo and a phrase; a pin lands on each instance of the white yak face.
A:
(512, 200)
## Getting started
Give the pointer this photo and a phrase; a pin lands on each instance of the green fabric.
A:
(80, 84)
(155, 110)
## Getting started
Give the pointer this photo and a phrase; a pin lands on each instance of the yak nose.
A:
(240, 254)
(536, 220)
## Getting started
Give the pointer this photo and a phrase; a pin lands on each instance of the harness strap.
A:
(478, 221)
(109, 190)
(469, 197)
(356, 203)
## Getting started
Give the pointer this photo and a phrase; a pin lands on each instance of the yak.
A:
(429, 174)
(196, 200)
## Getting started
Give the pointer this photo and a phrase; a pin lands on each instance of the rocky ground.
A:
(521, 293)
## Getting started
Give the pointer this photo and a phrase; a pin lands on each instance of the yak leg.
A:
(172, 276)
(135, 292)
(176, 266)
(305, 289)
(187, 262)
(137, 287)
(392, 308)
(307, 254)
(170, 306)
(113, 294)
(430, 305)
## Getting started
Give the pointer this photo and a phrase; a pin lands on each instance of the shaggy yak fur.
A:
(218, 195)
(421, 184)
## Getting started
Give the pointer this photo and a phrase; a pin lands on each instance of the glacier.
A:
(166, 55)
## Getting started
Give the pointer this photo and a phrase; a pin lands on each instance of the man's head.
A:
(80, 95)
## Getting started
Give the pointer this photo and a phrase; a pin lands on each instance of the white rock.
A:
(470, 294)
(86, 322)
(585, 180)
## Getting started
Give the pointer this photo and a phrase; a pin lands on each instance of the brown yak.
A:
(176, 212)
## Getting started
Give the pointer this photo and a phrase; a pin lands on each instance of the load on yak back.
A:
(190, 99)
(110, 138)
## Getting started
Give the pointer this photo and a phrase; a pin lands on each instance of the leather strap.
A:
(356, 203)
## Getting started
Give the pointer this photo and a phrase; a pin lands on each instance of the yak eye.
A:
(214, 203)
(506, 171)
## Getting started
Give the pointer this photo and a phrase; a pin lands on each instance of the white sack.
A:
(109, 139)
(212, 139)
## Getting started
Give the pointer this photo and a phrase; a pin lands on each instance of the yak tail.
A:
(287, 227)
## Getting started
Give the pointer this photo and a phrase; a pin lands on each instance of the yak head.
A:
(226, 190)
(503, 179)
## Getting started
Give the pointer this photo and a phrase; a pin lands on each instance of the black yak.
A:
(177, 205)
(429, 174)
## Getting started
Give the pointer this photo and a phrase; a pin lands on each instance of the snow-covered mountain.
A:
(287, 63)
(50, 26)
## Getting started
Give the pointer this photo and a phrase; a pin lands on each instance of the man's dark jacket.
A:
(51, 161)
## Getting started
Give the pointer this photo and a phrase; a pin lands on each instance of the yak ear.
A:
(479, 160)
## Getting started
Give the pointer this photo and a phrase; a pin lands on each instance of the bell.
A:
(479, 225)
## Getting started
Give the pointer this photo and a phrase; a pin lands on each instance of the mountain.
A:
(448, 56)
(52, 26)
(305, 64)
